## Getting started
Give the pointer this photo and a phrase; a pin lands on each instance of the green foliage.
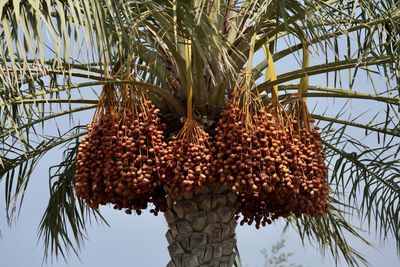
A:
(66, 217)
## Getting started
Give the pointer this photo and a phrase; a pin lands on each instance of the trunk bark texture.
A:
(202, 228)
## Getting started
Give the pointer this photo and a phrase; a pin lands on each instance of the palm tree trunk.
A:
(202, 228)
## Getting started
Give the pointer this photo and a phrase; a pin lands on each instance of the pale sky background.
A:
(140, 240)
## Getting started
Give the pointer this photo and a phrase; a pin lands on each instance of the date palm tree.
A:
(57, 54)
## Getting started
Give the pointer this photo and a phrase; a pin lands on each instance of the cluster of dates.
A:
(270, 156)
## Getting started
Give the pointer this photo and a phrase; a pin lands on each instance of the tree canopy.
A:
(56, 54)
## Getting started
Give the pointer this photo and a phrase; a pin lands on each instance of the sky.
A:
(133, 240)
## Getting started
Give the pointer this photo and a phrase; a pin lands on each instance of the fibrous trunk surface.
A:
(202, 228)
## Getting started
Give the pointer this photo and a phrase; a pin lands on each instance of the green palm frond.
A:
(320, 91)
(66, 218)
(374, 172)
(330, 232)
(17, 164)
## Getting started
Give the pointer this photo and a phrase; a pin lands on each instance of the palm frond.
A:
(328, 67)
(17, 164)
(330, 233)
(66, 218)
(327, 92)
(367, 179)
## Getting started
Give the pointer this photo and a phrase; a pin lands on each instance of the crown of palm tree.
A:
(55, 56)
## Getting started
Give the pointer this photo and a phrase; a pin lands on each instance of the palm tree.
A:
(57, 55)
